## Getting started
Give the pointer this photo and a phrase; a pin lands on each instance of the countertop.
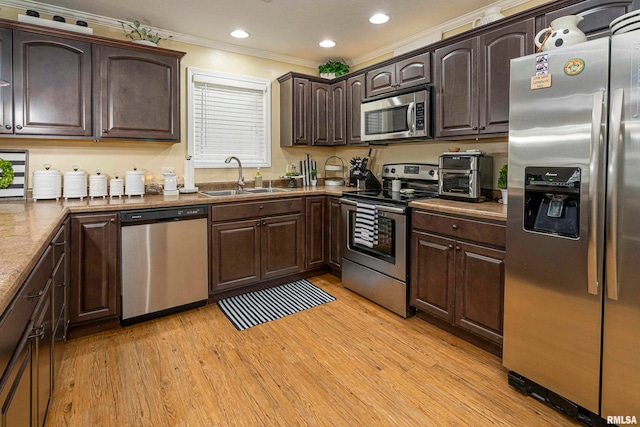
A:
(27, 227)
(486, 210)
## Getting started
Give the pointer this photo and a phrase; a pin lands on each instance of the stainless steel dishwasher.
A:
(164, 261)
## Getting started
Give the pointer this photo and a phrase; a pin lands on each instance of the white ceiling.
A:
(287, 28)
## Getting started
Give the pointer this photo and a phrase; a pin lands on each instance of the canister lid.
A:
(47, 171)
(75, 172)
(98, 176)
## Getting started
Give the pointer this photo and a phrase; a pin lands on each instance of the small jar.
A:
(116, 187)
(98, 185)
(75, 184)
(134, 183)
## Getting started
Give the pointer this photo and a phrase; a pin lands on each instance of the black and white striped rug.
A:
(254, 308)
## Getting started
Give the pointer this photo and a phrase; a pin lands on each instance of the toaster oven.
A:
(464, 175)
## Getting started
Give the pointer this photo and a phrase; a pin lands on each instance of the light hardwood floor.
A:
(345, 363)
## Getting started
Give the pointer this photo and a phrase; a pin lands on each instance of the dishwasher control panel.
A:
(163, 214)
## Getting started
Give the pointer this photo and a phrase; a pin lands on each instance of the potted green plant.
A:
(141, 35)
(331, 69)
(314, 177)
(502, 182)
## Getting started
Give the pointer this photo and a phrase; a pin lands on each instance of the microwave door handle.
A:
(595, 224)
(410, 120)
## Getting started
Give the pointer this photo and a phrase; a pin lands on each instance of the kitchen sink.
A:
(218, 193)
(265, 190)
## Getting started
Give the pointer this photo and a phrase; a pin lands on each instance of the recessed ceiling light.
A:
(239, 34)
(379, 18)
(327, 43)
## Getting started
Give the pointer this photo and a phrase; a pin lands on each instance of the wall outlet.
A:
(167, 169)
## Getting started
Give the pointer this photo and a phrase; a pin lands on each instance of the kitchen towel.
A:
(254, 308)
(366, 227)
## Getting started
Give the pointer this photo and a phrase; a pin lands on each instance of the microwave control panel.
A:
(420, 115)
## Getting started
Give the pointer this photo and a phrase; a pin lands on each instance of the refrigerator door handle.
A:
(595, 224)
(615, 147)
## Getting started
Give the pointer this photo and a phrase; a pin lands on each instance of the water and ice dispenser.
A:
(552, 200)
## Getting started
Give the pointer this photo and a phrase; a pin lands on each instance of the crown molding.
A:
(433, 34)
(108, 22)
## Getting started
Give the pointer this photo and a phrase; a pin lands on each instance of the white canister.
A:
(97, 185)
(75, 184)
(170, 183)
(134, 183)
(47, 184)
(116, 187)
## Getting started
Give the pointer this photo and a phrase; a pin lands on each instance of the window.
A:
(229, 115)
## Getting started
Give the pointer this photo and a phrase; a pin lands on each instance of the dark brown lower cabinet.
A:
(235, 254)
(94, 292)
(266, 243)
(26, 342)
(315, 232)
(457, 272)
(334, 234)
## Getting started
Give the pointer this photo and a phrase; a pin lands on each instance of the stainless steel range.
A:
(376, 244)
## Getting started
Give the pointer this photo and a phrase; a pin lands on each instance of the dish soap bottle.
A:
(258, 179)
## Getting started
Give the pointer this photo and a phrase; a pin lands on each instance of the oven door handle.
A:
(382, 208)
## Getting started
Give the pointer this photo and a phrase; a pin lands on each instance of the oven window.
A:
(457, 183)
(387, 120)
(385, 248)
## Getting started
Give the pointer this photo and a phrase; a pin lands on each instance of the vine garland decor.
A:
(6, 173)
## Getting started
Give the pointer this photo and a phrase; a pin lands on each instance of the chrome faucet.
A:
(240, 177)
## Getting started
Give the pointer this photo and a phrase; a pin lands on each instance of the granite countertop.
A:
(27, 227)
(486, 210)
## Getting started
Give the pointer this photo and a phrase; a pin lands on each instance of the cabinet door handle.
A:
(60, 243)
(264, 223)
(18, 127)
(38, 295)
(457, 248)
(38, 335)
(482, 128)
(8, 127)
(450, 246)
(454, 226)
(261, 206)
(112, 220)
(475, 128)
(105, 131)
(258, 223)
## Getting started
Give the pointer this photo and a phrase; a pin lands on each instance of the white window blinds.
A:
(229, 115)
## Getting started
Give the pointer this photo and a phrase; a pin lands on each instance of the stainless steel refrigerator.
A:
(572, 292)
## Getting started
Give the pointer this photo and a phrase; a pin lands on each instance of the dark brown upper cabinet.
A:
(472, 81)
(355, 95)
(312, 111)
(6, 74)
(295, 111)
(51, 86)
(338, 113)
(597, 15)
(399, 75)
(320, 113)
(137, 94)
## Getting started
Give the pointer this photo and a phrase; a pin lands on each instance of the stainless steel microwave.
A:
(396, 117)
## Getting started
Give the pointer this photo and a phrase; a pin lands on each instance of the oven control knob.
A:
(393, 170)
(432, 172)
(386, 170)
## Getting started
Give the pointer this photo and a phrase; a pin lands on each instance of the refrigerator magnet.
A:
(574, 66)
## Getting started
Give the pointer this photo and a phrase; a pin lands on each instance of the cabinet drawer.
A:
(459, 228)
(15, 318)
(236, 211)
